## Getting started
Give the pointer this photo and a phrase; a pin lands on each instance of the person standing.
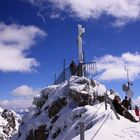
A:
(73, 68)
(137, 113)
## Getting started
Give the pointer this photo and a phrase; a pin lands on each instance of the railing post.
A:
(106, 100)
(82, 137)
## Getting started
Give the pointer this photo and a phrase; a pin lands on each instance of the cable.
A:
(96, 111)
(101, 125)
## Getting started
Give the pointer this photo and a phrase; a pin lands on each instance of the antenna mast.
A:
(128, 80)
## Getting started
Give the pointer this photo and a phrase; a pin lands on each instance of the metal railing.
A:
(89, 70)
(64, 75)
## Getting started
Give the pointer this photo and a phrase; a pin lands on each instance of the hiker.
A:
(137, 111)
(126, 103)
(122, 110)
(73, 68)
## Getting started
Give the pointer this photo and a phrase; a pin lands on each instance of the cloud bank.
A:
(123, 11)
(15, 42)
(111, 67)
(22, 98)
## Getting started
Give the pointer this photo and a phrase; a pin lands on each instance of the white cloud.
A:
(22, 98)
(123, 10)
(15, 41)
(16, 104)
(25, 90)
(113, 67)
(137, 101)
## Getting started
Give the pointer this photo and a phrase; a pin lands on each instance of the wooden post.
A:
(82, 137)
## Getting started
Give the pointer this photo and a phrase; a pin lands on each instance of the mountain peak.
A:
(60, 109)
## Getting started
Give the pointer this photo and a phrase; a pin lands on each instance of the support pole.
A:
(129, 87)
(82, 136)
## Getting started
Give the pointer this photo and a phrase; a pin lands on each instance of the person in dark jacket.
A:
(73, 68)
(126, 103)
(117, 105)
(122, 110)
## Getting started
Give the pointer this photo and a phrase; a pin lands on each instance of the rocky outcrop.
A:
(57, 108)
(83, 94)
(9, 124)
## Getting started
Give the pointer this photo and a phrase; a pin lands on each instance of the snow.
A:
(1, 109)
(99, 123)
(108, 127)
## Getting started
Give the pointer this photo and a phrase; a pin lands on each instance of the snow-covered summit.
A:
(60, 108)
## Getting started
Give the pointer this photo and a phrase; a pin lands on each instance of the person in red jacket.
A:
(137, 111)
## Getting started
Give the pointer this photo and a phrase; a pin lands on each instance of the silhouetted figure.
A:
(130, 102)
(73, 68)
(122, 110)
(126, 103)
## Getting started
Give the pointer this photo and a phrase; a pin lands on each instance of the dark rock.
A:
(46, 107)
(30, 136)
(93, 83)
(101, 98)
(44, 94)
(57, 106)
(81, 98)
(54, 135)
(38, 134)
(82, 81)
(55, 119)
(38, 102)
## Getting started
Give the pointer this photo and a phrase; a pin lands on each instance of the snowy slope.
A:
(60, 109)
(106, 126)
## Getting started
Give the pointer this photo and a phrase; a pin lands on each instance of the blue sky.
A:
(36, 36)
